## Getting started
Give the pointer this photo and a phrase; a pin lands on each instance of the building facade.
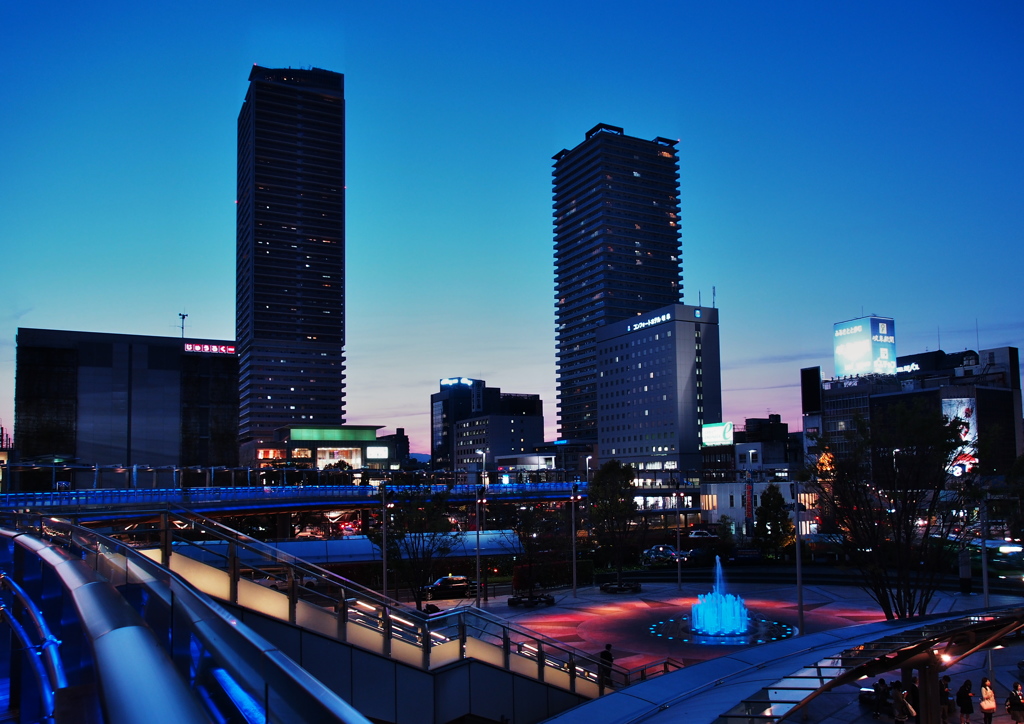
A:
(659, 380)
(617, 254)
(982, 389)
(466, 416)
(290, 302)
(124, 400)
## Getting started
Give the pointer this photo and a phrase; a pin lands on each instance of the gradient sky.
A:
(837, 158)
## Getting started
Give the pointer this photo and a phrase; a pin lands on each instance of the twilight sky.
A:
(836, 159)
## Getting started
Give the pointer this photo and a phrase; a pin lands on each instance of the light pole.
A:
(480, 500)
(385, 499)
(799, 563)
(679, 557)
(483, 466)
(573, 499)
(588, 467)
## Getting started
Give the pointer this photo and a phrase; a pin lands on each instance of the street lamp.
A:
(679, 556)
(588, 467)
(385, 499)
(480, 500)
(574, 497)
(483, 465)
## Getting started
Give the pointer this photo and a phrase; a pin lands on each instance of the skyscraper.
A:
(617, 253)
(291, 252)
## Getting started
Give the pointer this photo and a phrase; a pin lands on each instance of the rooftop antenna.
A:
(698, 299)
(938, 336)
(182, 315)
(714, 293)
(977, 335)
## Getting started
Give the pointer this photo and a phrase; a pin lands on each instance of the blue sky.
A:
(836, 159)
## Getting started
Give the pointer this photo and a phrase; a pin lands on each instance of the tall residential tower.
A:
(291, 252)
(617, 253)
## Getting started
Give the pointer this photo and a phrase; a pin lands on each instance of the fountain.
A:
(720, 619)
(719, 613)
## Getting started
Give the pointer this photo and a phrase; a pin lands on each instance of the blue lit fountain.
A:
(719, 613)
(720, 619)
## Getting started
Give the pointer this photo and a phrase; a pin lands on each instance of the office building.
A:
(290, 311)
(467, 416)
(659, 381)
(617, 254)
(91, 399)
(982, 389)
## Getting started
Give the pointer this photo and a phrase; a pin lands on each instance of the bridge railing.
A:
(290, 589)
(243, 676)
(89, 500)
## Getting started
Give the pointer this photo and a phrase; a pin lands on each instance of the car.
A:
(701, 534)
(449, 587)
(529, 601)
(624, 587)
(279, 581)
(659, 555)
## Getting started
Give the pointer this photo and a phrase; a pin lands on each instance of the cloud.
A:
(761, 387)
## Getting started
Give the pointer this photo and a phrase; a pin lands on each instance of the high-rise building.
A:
(659, 382)
(467, 416)
(291, 253)
(617, 253)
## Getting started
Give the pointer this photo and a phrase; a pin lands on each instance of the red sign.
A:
(211, 348)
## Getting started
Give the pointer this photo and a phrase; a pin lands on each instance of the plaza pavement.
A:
(591, 619)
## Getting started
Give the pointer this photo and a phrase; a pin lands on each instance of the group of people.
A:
(905, 700)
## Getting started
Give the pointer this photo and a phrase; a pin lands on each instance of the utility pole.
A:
(182, 315)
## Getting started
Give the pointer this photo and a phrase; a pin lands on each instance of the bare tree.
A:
(612, 510)
(420, 532)
(893, 500)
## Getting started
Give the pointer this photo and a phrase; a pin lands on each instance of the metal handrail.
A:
(367, 608)
(280, 687)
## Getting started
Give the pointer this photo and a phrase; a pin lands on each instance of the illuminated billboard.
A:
(964, 410)
(717, 433)
(865, 346)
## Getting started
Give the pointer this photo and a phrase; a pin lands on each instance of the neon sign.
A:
(649, 322)
(210, 348)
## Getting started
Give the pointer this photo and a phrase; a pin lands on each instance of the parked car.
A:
(659, 555)
(537, 599)
(701, 534)
(449, 587)
(624, 587)
(279, 581)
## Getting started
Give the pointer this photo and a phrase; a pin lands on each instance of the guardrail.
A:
(186, 643)
(86, 501)
(293, 590)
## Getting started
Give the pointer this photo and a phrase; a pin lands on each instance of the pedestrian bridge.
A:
(219, 643)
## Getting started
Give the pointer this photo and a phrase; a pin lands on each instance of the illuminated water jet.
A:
(719, 613)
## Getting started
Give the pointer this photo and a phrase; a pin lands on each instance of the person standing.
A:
(1015, 703)
(607, 659)
(987, 700)
(901, 708)
(881, 697)
(945, 700)
(965, 702)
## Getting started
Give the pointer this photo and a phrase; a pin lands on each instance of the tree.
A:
(891, 497)
(612, 508)
(773, 530)
(419, 532)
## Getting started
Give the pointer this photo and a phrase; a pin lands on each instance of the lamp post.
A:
(480, 500)
(573, 499)
(385, 499)
(679, 557)
(799, 563)
(588, 467)
(483, 466)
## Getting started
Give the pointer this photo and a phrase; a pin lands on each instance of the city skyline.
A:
(834, 162)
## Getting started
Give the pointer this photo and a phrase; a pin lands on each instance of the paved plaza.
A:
(592, 619)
